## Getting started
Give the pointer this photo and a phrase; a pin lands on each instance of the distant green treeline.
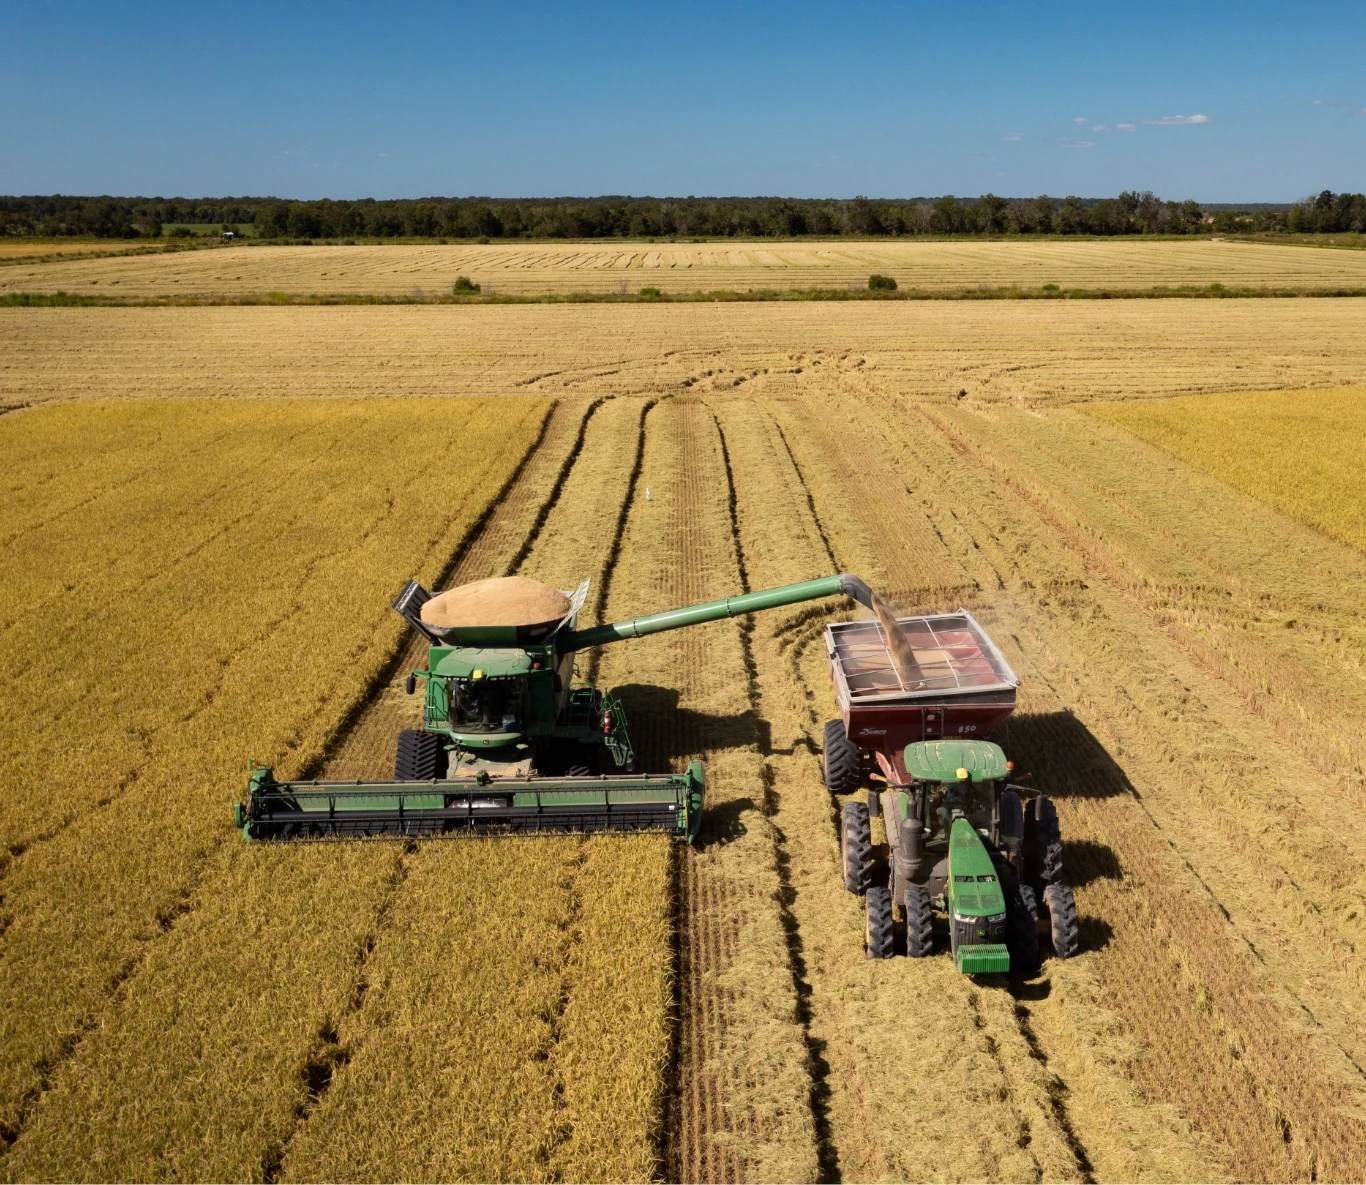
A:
(691, 217)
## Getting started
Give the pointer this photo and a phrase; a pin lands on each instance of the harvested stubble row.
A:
(1226, 939)
(902, 1043)
(515, 268)
(122, 743)
(743, 1111)
(1011, 352)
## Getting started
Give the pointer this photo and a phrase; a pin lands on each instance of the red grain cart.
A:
(962, 689)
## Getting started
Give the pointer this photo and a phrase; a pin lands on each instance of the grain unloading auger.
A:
(510, 741)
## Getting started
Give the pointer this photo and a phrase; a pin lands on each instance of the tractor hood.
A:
(940, 761)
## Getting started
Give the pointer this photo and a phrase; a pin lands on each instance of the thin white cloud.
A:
(1013, 137)
(1174, 121)
(383, 155)
(1066, 142)
(1316, 103)
(1099, 127)
(1126, 127)
(1081, 119)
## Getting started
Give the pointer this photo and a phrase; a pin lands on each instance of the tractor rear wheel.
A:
(420, 756)
(1047, 841)
(840, 760)
(1062, 919)
(879, 931)
(919, 921)
(1022, 930)
(856, 846)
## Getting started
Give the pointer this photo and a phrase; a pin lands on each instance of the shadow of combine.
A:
(664, 733)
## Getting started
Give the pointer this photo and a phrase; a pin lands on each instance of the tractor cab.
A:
(952, 780)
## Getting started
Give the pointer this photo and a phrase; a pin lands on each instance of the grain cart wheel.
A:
(1022, 929)
(840, 759)
(420, 757)
(919, 921)
(879, 934)
(1062, 919)
(1047, 840)
(856, 846)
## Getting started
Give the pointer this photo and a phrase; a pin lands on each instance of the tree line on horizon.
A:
(641, 218)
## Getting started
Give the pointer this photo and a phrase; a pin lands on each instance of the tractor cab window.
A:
(486, 705)
(948, 801)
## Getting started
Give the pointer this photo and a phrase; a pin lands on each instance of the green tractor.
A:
(963, 844)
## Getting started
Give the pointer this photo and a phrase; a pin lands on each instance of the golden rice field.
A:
(1301, 451)
(521, 269)
(175, 1004)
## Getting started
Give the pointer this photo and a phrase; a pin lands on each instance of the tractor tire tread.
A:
(1062, 919)
(1022, 929)
(919, 922)
(879, 927)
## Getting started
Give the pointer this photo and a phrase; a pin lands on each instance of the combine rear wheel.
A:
(879, 933)
(1022, 929)
(919, 921)
(856, 846)
(1062, 919)
(420, 757)
(841, 766)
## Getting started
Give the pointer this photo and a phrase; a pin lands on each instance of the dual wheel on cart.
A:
(1034, 859)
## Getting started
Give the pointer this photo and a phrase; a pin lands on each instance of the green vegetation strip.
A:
(751, 295)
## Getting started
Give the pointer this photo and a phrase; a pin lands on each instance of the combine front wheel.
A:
(841, 766)
(1062, 919)
(879, 932)
(420, 757)
(856, 846)
(919, 922)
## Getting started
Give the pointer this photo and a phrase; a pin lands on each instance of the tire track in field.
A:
(827, 1152)
(1038, 1123)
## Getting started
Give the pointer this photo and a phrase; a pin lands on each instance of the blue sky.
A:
(1217, 102)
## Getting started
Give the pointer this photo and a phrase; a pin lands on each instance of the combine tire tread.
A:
(856, 846)
(420, 756)
(919, 922)
(879, 929)
(1062, 919)
(840, 760)
(1022, 930)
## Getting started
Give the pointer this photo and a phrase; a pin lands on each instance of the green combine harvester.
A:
(511, 742)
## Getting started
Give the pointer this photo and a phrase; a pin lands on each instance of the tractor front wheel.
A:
(919, 921)
(856, 846)
(420, 757)
(879, 932)
(1062, 919)
(840, 760)
(1022, 930)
